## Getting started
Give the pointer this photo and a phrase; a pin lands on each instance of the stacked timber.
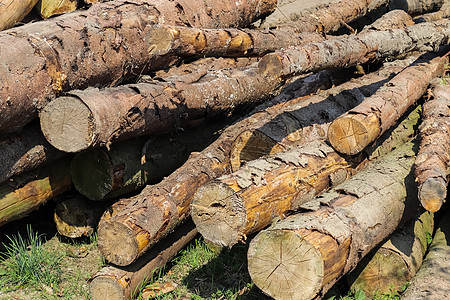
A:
(338, 143)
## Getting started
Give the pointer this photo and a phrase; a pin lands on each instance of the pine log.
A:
(432, 165)
(355, 49)
(229, 208)
(76, 216)
(432, 281)
(100, 46)
(115, 283)
(26, 192)
(48, 8)
(24, 152)
(13, 11)
(393, 19)
(128, 166)
(443, 12)
(302, 256)
(393, 264)
(147, 217)
(415, 7)
(362, 125)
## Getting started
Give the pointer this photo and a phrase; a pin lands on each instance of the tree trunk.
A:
(100, 46)
(302, 256)
(233, 206)
(25, 151)
(13, 11)
(77, 217)
(114, 283)
(28, 191)
(360, 126)
(432, 281)
(393, 264)
(433, 160)
(48, 8)
(128, 166)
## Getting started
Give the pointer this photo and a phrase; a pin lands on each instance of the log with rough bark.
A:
(149, 216)
(393, 264)
(393, 19)
(229, 208)
(76, 216)
(362, 125)
(432, 281)
(25, 151)
(100, 46)
(115, 283)
(26, 192)
(128, 166)
(433, 160)
(13, 11)
(443, 12)
(302, 256)
(416, 6)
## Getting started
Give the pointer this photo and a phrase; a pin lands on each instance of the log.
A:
(149, 216)
(393, 19)
(13, 11)
(360, 126)
(302, 256)
(432, 280)
(26, 192)
(391, 265)
(25, 151)
(443, 12)
(433, 160)
(76, 217)
(119, 283)
(48, 8)
(101, 174)
(100, 46)
(228, 209)
(416, 6)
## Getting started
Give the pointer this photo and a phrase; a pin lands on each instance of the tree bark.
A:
(443, 12)
(362, 125)
(26, 192)
(24, 152)
(432, 280)
(102, 45)
(393, 19)
(393, 264)
(416, 6)
(13, 11)
(302, 256)
(229, 208)
(119, 283)
(433, 160)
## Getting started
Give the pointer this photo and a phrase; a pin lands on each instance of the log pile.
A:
(286, 119)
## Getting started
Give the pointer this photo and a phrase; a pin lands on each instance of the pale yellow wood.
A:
(13, 11)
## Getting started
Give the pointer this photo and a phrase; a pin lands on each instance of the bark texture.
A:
(28, 191)
(393, 19)
(433, 160)
(302, 256)
(13, 11)
(233, 206)
(99, 46)
(362, 125)
(394, 263)
(119, 283)
(432, 281)
(443, 12)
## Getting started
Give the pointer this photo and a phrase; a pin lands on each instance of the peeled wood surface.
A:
(362, 125)
(13, 11)
(393, 264)
(433, 160)
(115, 283)
(233, 206)
(432, 281)
(99, 46)
(302, 256)
(28, 191)
(48, 8)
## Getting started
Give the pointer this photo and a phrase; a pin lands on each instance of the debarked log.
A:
(48, 8)
(13, 11)
(302, 256)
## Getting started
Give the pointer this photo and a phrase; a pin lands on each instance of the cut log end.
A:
(218, 215)
(159, 41)
(432, 193)
(281, 263)
(270, 65)
(92, 174)
(67, 124)
(104, 287)
(351, 133)
(117, 243)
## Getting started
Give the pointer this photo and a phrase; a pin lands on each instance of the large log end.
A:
(105, 287)
(67, 124)
(432, 193)
(218, 214)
